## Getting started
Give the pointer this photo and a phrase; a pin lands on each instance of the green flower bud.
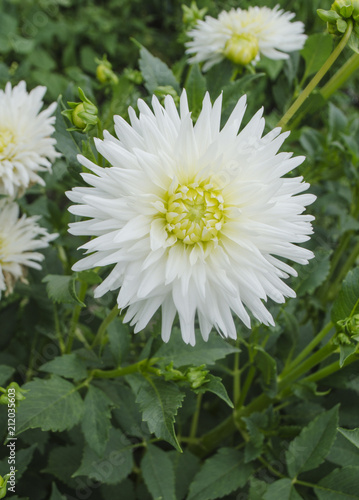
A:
(15, 390)
(197, 376)
(104, 72)
(342, 25)
(343, 7)
(329, 16)
(192, 14)
(241, 49)
(163, 90)
(3, 482)
(133, 75)
(82, 114)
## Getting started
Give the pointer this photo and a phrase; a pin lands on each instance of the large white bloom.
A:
(193, 217)
(20, 238)
(26, 147)
(242, 35)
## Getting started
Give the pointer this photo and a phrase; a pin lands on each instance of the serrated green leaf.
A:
(316, 51)
(5, 373)
(181, 354)
(52, 404)
(67, 366)
(55, 494)
(347, 302)
(186, 466)
(155, 72)
(23, 459)
(351, 434)
(268, 368)
(96, 421)
(309, 449)
(61, 289)
(159, 402)
(215, 385)
(196, 87)
(282, 489)
(113, 466)
(89, 277)
(343, 452)
(341, 484)
(158, 473)
(220, 475)
(257, 489)
(129, 415)
(314, 273)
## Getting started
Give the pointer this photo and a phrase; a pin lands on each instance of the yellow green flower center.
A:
(195, 213)
(241, 49)
(6, 137)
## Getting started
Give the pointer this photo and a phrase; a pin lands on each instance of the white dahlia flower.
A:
(26, 147)
(20, 238)
(195, 219)
(242, 35)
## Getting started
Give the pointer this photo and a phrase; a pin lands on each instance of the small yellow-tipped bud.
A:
(76, 120)
(241, 49)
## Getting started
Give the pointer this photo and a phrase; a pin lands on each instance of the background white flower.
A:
(242, 35)
(19, 240)
(193, 217)
(26, 147)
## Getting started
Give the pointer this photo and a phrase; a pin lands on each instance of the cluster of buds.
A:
(195, 376)
(338, 16)
(348, 331)
(83, 115)
(3, 481)
(19, 394)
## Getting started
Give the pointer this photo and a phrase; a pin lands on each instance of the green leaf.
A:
(256, 424)
(215, 385)
(282, 489)
(268, 367)
(67, 365)
(345, 352)
(96, 421)
(353, 42)
(113, 466)
(316, 51)
(186, 466)
(61, 289)
(23, 459)
(63, 462)
(257, 489)
(126, 487)
(89, 277)
(233, 91)
(341, 484)
(5, 373)
(347, 302)
(55, 494)
(159, 402)
(220, 475)
(309, 449)
(181, 354)
(129, 415)
(155, 72)
(158, 473)
(52, 404)
(343, 452)
(351, 434)
(196, 87)
(314, 274)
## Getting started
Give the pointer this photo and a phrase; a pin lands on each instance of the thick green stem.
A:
(317, 339)
(344, 270)
(341, 76)
(329, 370)
(246, 386)
(75, 317)
(104, 325)
(317, 78)
(58, 331)
(236, 379)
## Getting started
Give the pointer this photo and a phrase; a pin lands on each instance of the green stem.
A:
(329, 370)
(58, 331)
(75, 317)
(344, 270)
(317, 339)
(270, 468)
(104, 325)
(246, 386)
(194, 423)
(341, 76)
(312, 361)
(140, 366)
(318, 77)
(236, 379)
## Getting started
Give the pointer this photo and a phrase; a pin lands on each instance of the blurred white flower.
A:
(19, 240)
(26, 147)
(242, 35)
(193, 217)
